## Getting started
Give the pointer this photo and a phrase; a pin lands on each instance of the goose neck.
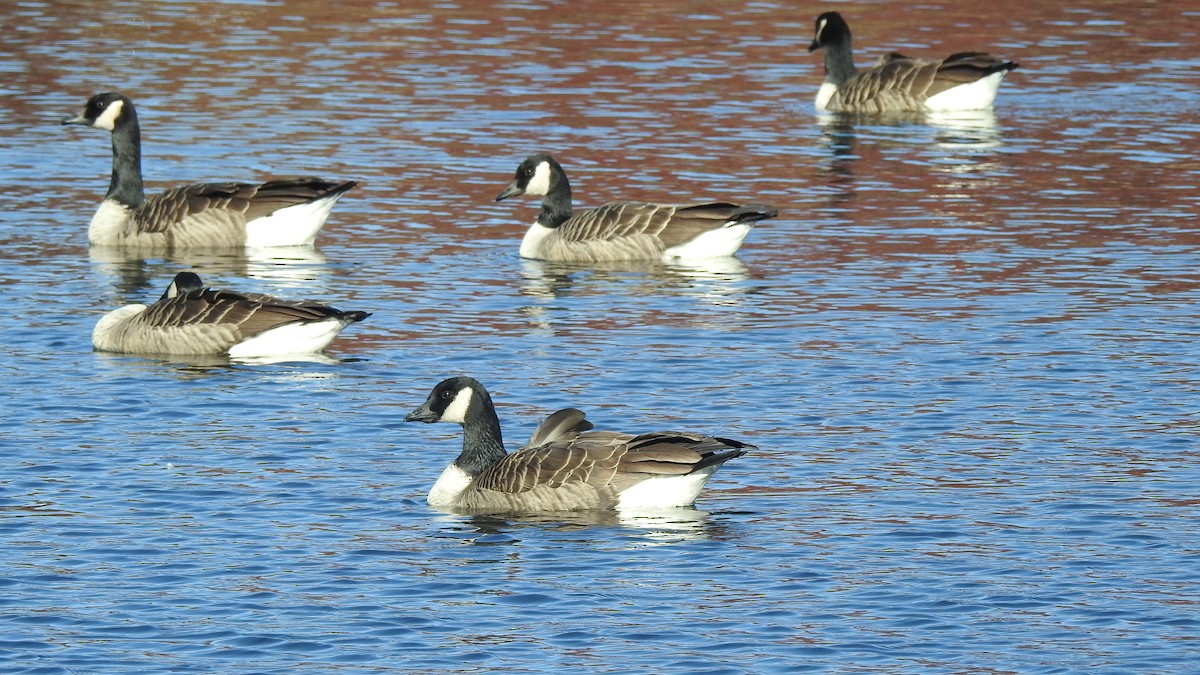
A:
(556, 205)
(839, 62)
(126, 183)
(483, 444)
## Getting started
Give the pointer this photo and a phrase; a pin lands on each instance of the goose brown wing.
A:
(591, 458)
(249, 316)
(678, 453)
(899, 82)
(964, 68)
(672, 224)
(689, 222)
(560, 425)
(244, 201)
(616, 220)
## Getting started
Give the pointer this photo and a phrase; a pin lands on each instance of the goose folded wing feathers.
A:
(561, 425)
(925, 79)
(552, 466)
(250, 316)
(616, 220)
(273, 195)
(689, 222)
(966, 67)
(162, 212)
(672, 224)
(661, 459)
(678, 453)
(899, 83)
(236, 203)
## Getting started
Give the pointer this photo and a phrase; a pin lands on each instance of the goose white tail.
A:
(293, 338)
(719, 243)
(976, 95)
(666, 493)
(291, 226)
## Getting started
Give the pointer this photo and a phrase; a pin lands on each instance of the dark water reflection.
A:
(966, 348)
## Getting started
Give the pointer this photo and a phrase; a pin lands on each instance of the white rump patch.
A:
(108, 119)
(665, 493)
(456, 412)
(826, 92)
(539, 185)
(717, 243)
(294, 338)
(291, 226)
(973, 96)
(449, 486)
(531, 245)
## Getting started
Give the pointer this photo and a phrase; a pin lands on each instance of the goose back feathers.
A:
(898, 83)
(624, 230)
(286, 212)
(568, 465)
(193, 320)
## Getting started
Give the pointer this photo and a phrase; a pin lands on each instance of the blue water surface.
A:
(966, 349)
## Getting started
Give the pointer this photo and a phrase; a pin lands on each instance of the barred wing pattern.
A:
(591, 470)
(215, 214)
(672, 224)
(903, 83)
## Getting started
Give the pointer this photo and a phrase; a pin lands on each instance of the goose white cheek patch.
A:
(457, 410)
(539, 185)
(108, 119)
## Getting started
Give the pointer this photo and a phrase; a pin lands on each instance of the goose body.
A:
(897, 83)
(624, 230)
(567, 466)
(194, 320)
(286, 212)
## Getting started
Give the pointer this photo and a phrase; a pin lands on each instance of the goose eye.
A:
(447, 395)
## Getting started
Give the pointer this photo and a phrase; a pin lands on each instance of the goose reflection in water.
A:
(653, 525)
(707, 278)
(286, 266)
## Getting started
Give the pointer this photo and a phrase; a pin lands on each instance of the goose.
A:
(190, 319)
(286, 212)
(624, 230)
(897, 83)
(567, 465)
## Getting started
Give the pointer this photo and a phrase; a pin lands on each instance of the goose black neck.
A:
(556, 205)
(483, 444)
(839, 62)
(126, 183)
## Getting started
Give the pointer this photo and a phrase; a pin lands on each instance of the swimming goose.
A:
(567, 466)
(624, 230)
(277, 213)
(963, 81)
(191, 319)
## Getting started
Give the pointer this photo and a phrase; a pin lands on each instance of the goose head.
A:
(454, 399)
(539, 175)
(831, 29)
(182, 284)
(105, 111)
